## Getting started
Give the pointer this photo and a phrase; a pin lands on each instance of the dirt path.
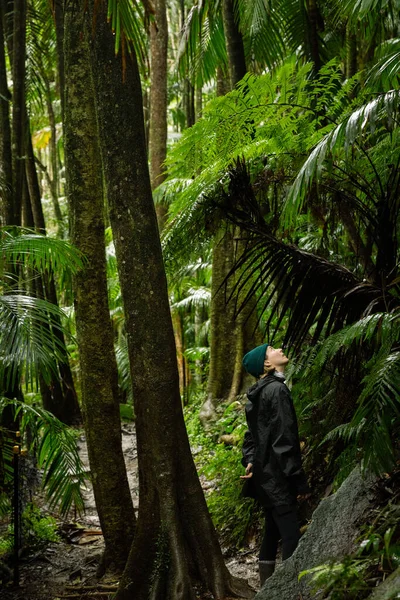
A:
(67, 569)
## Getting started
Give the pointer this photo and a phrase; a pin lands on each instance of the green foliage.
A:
(54, 446)
(376, 414)
(37, 530)
(220, 468)
(126, 411)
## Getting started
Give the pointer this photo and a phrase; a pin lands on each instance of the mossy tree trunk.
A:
(173, 520)
(18, 104)
(222, 319)
(158, 100)
(231, 336)
(94, 331)
(7, 209)
(59, 396)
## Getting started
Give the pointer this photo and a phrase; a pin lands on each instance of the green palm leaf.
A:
(27, 340)
(340, 141)
(64, 474)
(127, 19)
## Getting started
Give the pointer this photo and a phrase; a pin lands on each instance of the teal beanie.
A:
(253, 361)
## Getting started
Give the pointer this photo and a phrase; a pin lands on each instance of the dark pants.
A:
(280, 524)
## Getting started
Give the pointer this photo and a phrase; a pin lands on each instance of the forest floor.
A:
(67, 569)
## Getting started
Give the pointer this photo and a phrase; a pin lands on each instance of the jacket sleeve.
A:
(285, 439)
(247, 449)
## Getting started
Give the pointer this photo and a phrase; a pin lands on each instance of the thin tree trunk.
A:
(188, 102)
(173, 516)
(158, 100)
(351, 52)
(234, 43)
(59, 396)
(18, 98)
(178, 332)
(312, 32)
(58, 13)
(198, 103)
(5, 135)
(96, 352)
(222, 82)
(223, 325)
(53, 158)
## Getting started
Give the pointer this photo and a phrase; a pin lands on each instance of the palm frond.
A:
(39, 252)
(199, 296)
(318, 296)
(387, 67)
(202, 46)
(64, 474)
(26, 339)
(124, 373)
(340, 141)
(127, 19)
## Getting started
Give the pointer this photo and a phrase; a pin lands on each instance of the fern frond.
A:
(64, 474)
(26, 338)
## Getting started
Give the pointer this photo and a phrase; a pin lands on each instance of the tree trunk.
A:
(351, 52)
(54, 191)
(222, 82)
(178, 333)
(234, 43)
(18, 103)
(59, 397)
(222, 331)
(6, 179)
(158, 100)
(173, 517)
(188, 103)
(94, 331)
(312, 32)
(58, 13)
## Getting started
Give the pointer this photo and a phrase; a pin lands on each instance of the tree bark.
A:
(100, 404)
(312, 32)
(351, 52)
(222, 331)
(173, 516)
(59, 397)
(158, 100)
(7, 211)
(18, 103)
(234, 43)
(54, 191)
(58, 13)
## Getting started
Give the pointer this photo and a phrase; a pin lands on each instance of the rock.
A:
(389, 589)
(207, 414)
(330, 536)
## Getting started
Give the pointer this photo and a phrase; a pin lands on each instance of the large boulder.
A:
(330, 536)
(389, 589)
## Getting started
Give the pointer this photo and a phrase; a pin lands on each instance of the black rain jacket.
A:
(272, 445)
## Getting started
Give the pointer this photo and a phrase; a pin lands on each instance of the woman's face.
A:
(275, 357)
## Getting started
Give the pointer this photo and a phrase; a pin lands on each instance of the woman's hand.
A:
(248, 472)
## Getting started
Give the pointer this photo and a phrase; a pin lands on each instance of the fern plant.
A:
(54, 446)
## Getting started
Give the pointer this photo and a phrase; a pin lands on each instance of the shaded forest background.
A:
(181, 182)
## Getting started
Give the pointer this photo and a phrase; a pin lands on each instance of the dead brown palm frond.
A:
(317, 296)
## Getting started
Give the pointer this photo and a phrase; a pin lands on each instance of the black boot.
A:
(266, 568)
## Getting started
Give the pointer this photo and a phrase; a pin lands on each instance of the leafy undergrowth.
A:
(217, 454)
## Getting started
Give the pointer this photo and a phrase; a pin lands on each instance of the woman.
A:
(271, 454)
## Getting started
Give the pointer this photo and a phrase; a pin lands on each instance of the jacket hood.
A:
(254, 392)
